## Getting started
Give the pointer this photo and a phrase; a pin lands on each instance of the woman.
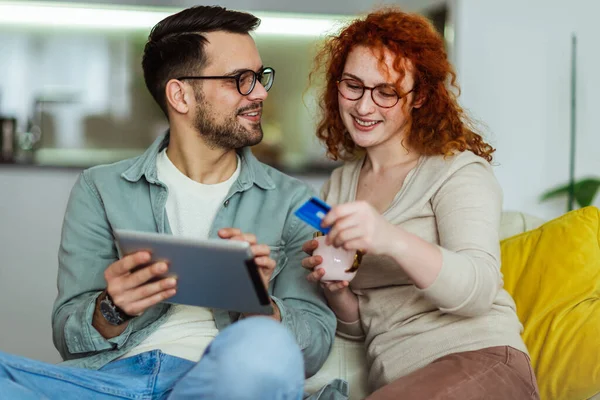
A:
(418, 196)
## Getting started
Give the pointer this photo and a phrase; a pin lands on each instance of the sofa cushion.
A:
(553, 273)
(348, 361)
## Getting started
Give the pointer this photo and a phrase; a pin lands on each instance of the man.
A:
(200, 180)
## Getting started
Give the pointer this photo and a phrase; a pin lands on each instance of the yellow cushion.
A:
(553, 273)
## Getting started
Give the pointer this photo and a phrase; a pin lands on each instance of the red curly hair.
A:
(439, 126)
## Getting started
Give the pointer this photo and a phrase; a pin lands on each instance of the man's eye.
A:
(246, 77)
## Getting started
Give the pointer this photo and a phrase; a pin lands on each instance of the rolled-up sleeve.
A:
(468, 208)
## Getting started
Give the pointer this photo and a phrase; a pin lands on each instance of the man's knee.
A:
(260, 343)
(260, 351)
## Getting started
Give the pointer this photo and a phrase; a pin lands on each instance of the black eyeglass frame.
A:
(372, 89)
(238, 76)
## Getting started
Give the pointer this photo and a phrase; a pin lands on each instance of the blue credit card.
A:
(312, 212)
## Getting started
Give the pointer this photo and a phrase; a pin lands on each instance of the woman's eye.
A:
(386, 93)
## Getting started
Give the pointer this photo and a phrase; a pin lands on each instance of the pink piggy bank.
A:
(339, 264)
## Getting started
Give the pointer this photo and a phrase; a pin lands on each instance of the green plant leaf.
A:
(555, 192)
(585, 191)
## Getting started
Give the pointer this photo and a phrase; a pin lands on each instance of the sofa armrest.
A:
(515, 222)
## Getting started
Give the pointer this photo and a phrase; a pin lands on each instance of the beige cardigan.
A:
(455, 203)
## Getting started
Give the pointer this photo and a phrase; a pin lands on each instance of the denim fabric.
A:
(128, 195)
(256, 358)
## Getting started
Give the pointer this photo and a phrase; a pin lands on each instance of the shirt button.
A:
(226, 203)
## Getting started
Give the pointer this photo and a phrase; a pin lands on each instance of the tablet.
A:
(214, 273)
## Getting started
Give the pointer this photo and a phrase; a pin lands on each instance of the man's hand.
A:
(134, 285)
(266, 265)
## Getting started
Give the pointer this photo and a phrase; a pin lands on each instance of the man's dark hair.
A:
(175, 45)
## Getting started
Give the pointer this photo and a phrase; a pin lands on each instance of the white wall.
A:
(513, 59)
(32, 205)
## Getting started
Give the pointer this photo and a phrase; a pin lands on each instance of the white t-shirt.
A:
(191, 209)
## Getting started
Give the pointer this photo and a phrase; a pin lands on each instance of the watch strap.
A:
(112, 313)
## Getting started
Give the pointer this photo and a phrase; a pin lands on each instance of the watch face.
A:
(111, 315)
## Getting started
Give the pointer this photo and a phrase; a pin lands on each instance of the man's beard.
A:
(229, 134)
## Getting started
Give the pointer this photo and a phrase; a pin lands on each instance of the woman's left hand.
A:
(359, 226)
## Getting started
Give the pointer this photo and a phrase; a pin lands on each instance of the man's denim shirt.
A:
(128, 195)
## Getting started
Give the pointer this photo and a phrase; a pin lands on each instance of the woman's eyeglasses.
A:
(383, 95)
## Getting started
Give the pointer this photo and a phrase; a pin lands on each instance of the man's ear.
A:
(177, 97)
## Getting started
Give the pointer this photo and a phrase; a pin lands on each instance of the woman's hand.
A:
(359, 226)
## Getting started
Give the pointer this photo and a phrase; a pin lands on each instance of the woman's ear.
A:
(419, 100)
(176, 96)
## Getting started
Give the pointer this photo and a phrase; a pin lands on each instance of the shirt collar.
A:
(252, 172)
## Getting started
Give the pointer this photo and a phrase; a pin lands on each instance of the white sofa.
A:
(347, 359)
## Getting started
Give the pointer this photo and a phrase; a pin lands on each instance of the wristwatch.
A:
(111, 312)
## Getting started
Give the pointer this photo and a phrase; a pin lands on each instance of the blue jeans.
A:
(256, 358)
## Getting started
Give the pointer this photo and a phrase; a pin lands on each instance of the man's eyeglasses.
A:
(245, 80)
(383, 95)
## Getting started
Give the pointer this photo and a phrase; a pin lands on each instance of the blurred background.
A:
(72, 96)
(74, 85)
